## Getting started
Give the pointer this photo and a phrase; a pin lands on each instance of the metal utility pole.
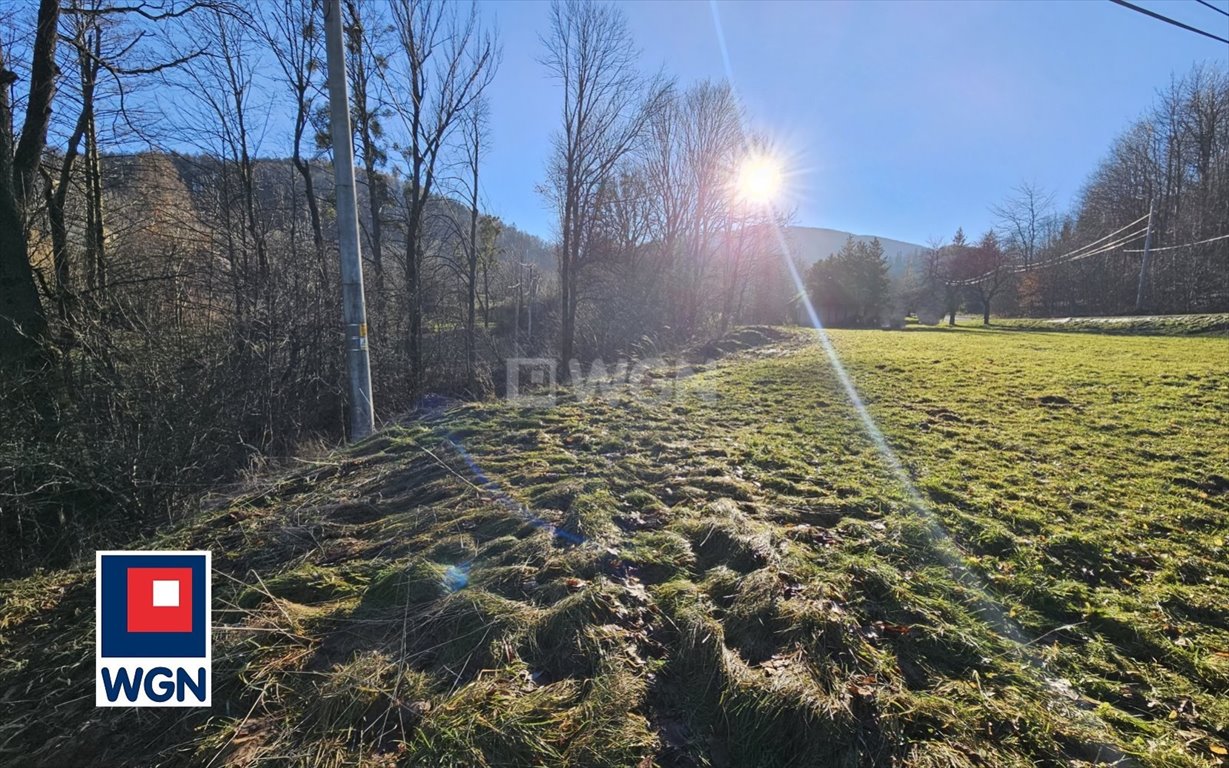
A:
(533, 294)
(1143, 267)
(354, 307)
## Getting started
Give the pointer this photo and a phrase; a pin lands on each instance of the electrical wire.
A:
(1184, 245)
(1137, 234)
(1213, 7)
(1168, 20)
(1098, 246)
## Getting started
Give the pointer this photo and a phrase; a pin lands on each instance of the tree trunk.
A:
(95, 245)
(414, 343)
(486, 295)
(565, 314)
(375, 198)
(23, 324)
(95, 257)
(313, 210)
(566, 285)
(413, 346)
(471, 341)
(57, 193)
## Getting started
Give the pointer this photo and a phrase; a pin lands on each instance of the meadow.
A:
(1031, 568)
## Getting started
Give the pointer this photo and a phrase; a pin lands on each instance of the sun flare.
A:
(759, 179)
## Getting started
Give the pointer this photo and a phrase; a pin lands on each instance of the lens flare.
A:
(759, 179)
(756, 178)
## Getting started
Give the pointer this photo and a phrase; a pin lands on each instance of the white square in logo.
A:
(166, 594)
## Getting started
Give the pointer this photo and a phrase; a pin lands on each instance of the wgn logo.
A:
(152, 629)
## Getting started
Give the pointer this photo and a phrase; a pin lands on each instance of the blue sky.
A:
(900, 119)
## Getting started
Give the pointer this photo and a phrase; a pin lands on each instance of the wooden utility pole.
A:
(354, 308)
(1143, 267)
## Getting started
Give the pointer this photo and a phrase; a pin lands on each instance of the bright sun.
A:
(759, 179)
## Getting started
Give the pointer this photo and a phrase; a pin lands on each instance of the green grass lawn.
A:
(733, 576)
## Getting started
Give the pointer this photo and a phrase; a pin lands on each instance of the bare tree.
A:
(292, 34)
(929, 282)
(664, 171)
(746, 236)
(475, 126)
(223, 96)
(712, 142)
(86, 39)
(366, 59)
(1026, 221)
(465, 258)
(96, 40)
(606, 106)
(1172, 161)
(444, 62)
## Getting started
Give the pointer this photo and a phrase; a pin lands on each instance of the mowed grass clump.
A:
(732, 576)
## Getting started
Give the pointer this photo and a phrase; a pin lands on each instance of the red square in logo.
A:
(159, 599)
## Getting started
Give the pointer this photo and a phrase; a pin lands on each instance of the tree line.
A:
(1168, 172)
(1169, 168)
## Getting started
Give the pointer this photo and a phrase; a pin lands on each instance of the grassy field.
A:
(733, 575)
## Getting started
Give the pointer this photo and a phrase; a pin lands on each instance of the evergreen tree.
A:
(851, 286)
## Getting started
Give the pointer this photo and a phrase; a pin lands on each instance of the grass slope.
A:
(731, 577)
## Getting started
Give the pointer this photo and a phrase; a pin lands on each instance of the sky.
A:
(898, 119)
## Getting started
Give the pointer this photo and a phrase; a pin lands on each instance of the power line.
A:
(1213, 7)
(1083, 253)
(1168, 20)
(1099, 240)
(1076, 255)
(1137, 234)
(1097, 246)
(1184, 245)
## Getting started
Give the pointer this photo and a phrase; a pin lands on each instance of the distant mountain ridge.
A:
(811, 244)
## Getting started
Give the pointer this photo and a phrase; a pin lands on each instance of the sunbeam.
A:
(944, 546)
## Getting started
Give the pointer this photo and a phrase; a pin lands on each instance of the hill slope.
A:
(810, 244)
(726, 576)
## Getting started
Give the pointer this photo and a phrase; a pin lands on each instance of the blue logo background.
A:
(117, 641)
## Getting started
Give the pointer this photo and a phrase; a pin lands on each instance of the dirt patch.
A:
(1213, 485)
(1053, 401)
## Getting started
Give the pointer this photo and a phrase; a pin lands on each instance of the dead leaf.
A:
(892, 630)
